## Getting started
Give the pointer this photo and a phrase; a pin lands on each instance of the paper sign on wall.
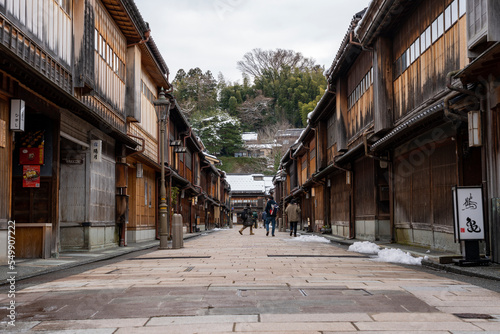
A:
(17, 115)
(96, 150)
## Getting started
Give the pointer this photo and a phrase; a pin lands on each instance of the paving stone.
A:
(164, 321)
(90, 324)
(408, 326)
(240, 288)
(295, 327)
(315, 317)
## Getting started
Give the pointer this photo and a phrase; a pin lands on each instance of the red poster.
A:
(31, 176)
(32, 148)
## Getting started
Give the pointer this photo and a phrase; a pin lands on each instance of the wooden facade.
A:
(391, 131)
(483, 72)
(89, 74)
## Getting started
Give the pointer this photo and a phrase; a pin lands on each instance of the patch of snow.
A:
(397, 256)
(310, 238)
(392, 255)
(364, 247)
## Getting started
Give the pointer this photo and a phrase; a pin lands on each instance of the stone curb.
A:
(117, 251)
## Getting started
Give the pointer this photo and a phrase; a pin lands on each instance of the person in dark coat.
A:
(247, 220)
(271, 212)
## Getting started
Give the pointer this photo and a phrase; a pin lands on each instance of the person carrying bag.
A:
(247, 218)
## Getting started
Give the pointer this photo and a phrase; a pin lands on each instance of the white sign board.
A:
(139, 172)
(17, 115)
(96, 150)
(468, 213)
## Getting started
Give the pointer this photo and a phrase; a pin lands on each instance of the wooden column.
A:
(382, 85)
(341, 109)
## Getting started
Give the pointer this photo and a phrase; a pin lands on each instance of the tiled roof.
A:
(252, 183)
(247, 136)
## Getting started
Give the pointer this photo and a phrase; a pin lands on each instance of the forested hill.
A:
(279, 88)
(245, 165)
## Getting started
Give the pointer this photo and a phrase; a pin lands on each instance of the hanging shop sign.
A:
(31, 176)
(17, 115)
(468, 213)
(96, 150)
(32, 148)
(72, 161)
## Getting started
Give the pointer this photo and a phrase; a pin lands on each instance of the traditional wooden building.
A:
(147, 73)
(392, 134)
(60, 153)
(79, 131)
(482, 73)
(419, 132)
(248, 189)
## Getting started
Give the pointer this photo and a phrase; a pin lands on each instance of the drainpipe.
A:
(144, 39)
(456, 92)
(188, 134)
(364, 48)
(143, 146)
(487, 220)
(370, 155)
(328, 88)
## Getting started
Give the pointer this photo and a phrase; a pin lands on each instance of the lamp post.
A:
(162, 109)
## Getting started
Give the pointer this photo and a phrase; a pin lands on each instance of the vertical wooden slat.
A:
(6, 165)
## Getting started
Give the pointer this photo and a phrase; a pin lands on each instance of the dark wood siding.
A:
(423, 179)
(339, 200)
(5, 159)
(364, 185)
(360, 95)
(420, 71)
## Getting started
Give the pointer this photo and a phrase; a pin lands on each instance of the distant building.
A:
(249, 189)
(287, 137)
(253, 147)
(250, 137)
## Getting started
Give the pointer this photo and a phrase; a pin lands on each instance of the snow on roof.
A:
(250, 183)
(263, 146)
(210, 155)
(246, 136)
(289, 132)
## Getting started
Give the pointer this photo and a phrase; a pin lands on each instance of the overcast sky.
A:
(215, 34)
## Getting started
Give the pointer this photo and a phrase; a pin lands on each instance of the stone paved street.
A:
(224, 283)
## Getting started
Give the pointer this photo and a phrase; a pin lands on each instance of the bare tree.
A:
(268, 133)
(258, 61)
(252, 110)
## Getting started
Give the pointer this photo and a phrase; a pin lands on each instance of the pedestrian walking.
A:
(247, 218)
(271, 211)
(292, 211)
(255, 216)
(264, 218)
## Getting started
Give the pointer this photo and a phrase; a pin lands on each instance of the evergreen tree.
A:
(195, 91)
(220, 132)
